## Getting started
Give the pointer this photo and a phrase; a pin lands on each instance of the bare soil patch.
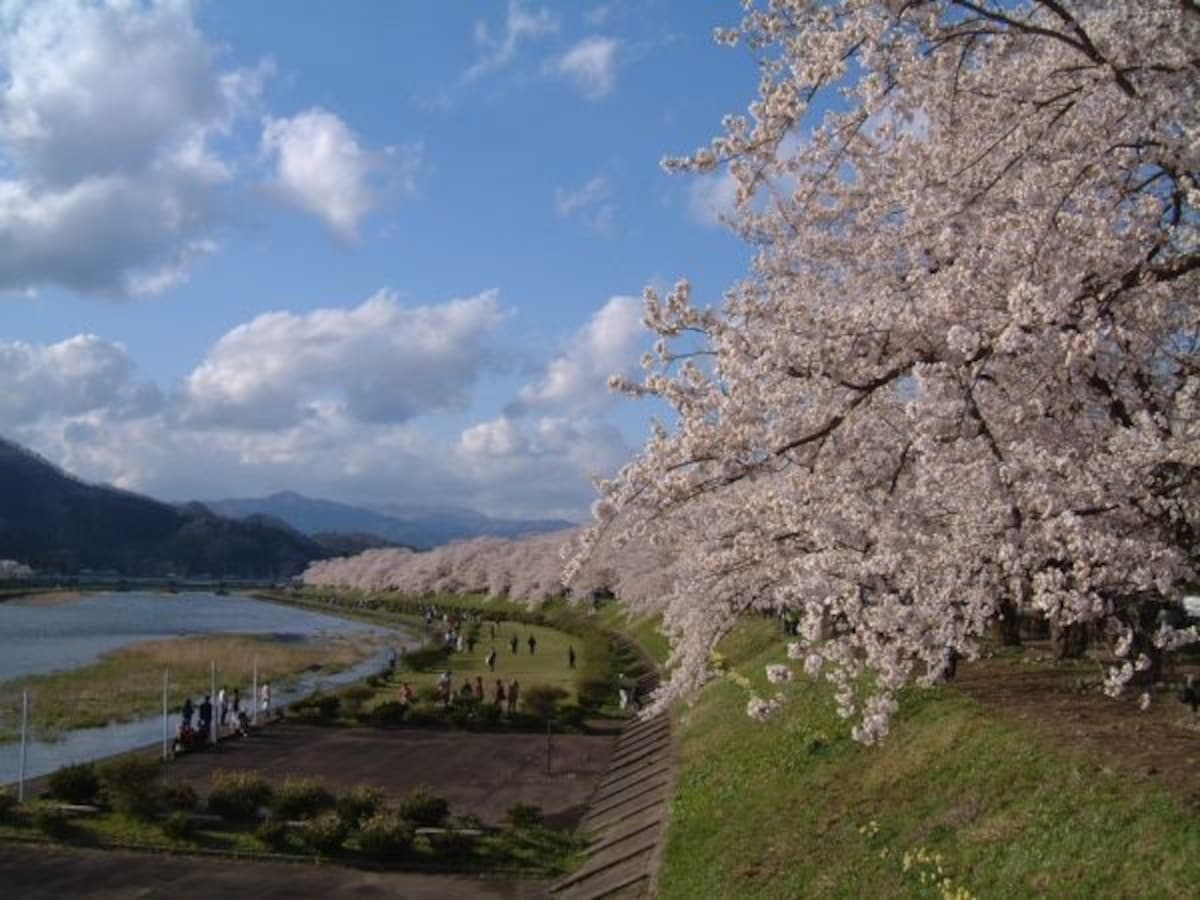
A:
(1161, 744)
(483, 774)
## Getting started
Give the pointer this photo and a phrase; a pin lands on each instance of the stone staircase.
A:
(626, 814)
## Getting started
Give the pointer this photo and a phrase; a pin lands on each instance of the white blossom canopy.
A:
(960, 381)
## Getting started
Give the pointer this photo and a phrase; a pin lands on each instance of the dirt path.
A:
(1161, 744)
(479, 773)
(36, 871)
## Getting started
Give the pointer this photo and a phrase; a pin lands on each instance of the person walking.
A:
(570, 656)
(265, 697)
(222, 706)
(237, 703)
(499, 693)
(491, 660)
(479, 688)
(514, 691)
(532, 644)
(206, 716)
(188, 711)
(512, 642)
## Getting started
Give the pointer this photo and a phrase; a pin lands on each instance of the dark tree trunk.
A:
(1068, 641)
(1007, 627)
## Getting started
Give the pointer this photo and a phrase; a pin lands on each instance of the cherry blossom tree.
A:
(960, 381)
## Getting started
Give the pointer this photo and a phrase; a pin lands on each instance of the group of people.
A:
(212, 719)
(472, 691)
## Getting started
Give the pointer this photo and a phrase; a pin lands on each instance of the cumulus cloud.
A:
(498, 51)
(577, 378)
(108, 116)
(591, 66)
(321, 168)
(712, 198)
(541, 466)
(591, 201)
(80, 375)
(380, 362)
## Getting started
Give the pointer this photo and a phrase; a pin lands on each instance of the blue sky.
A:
(377, 252)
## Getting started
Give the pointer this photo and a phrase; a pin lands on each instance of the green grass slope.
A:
(954, 803)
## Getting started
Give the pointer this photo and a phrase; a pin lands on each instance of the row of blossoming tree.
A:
(960, 381)
(959, 384)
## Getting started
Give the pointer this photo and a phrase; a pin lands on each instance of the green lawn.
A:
(954, 803)
(547, 665)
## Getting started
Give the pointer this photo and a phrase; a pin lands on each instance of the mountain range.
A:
(419, 527)
(55, 522)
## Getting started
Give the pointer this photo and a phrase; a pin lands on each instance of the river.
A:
(36, 638)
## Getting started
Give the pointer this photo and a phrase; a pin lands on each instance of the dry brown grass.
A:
(127, 683)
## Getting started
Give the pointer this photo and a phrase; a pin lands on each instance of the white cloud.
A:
(591, 201)
(538, 467)
(591, 66)
(377, 362)
(80, 375)
(577, 379)
(519, 25)
(107, 117)
(712, 198)
(322, 169)
(598, 15)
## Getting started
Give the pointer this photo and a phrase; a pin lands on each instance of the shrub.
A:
(302, 798)
(391, 712)
(8, 802)
(237, 796)
(422, 807)
(359, 804)
(50, 820)
(273, 833)
(75, 784)
(325, 834)
(319, 708)
(524, 815)
(179, 795)
(542, 700)
(179, 826)
(452, 844)
(385, 834)
(353, 698)
(489, 715)
(131, 784)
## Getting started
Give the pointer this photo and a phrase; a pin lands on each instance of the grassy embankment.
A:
(591, 686)
(127, 683)
(956, 802)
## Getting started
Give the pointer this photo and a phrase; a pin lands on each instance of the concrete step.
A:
(602, 805)
(632, 777)
(624, 811)
(613, 857)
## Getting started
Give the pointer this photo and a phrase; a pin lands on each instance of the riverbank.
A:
(127, 684)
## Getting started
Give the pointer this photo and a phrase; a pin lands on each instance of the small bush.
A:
(524, 815)
(452, 844)
(8, 802)
(353, 698)
(273, 833)
(385, 835)
(50, 820)
(302, 798)
(237, 796)
(179, 795)
(179, 826)
(325, 834)
(390, 712)
(319, 708)
(359, 804)
(131, 784)
(542, 700)
(424, 808)
(489, 715)
(75, 784)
